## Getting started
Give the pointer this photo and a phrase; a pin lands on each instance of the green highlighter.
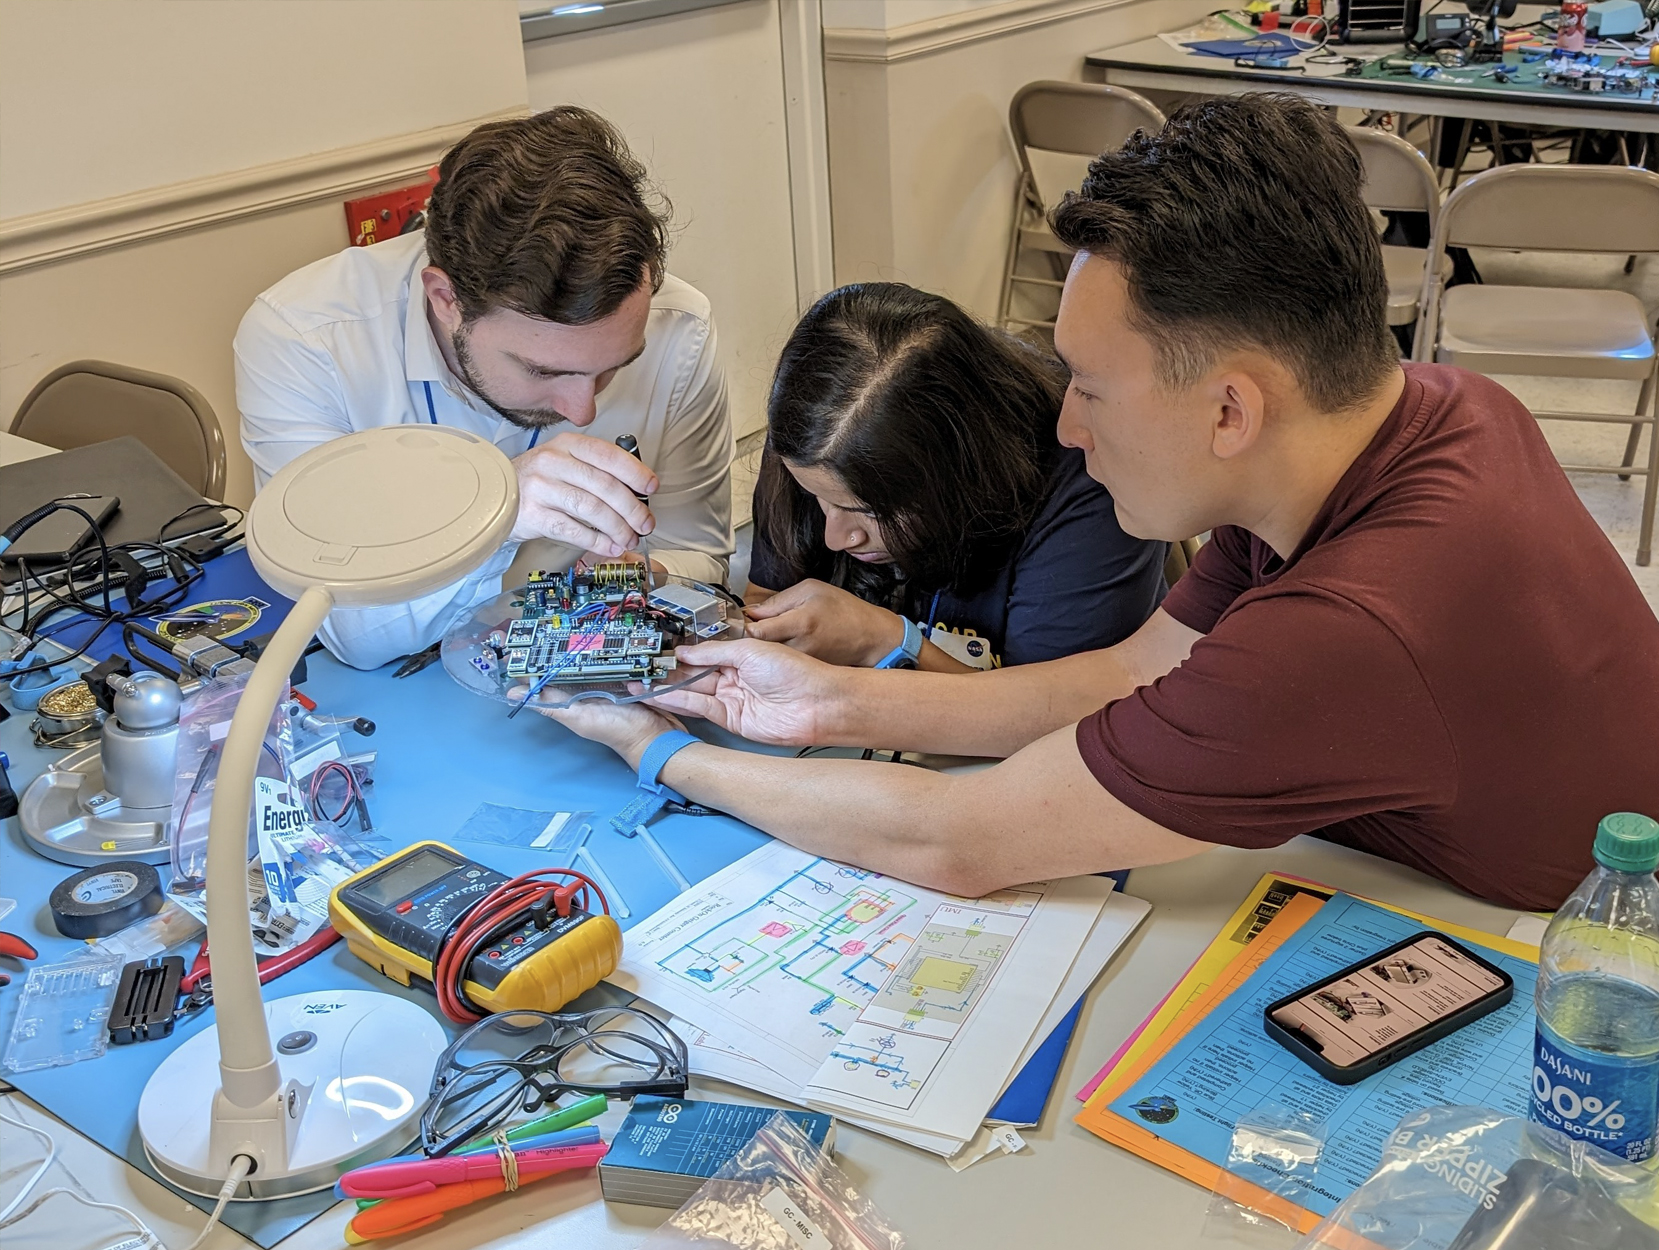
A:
(573, 1116)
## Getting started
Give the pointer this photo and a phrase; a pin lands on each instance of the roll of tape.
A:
(96, 902)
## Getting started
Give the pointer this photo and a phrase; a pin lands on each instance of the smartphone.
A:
(1358, 1021)
(54, 538)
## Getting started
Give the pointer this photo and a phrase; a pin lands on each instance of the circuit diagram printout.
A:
(1227, 1066)
(864, 993)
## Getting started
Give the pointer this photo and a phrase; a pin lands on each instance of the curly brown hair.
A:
(548, 215)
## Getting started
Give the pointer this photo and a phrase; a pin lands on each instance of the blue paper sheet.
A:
(1228, 1066)
(1022, 1103)
(1271, 44)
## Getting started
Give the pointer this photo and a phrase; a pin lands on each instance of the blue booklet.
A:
(1022, 1103)
(667, 1147)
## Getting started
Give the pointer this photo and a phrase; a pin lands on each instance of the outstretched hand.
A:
(763, 691)
(627, 728)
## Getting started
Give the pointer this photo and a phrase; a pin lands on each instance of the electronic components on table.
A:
(1587, 72)
(607, 623)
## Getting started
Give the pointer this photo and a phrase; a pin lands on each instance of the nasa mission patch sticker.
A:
(215, 618)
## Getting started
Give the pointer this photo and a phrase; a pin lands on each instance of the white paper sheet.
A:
(878, 1000)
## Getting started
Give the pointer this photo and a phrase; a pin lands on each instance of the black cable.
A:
(223, 527)
(182, 568)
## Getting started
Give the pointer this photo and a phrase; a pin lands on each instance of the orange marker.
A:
(396, 1216)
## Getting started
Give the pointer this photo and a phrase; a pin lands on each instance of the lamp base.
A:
(366, 1059)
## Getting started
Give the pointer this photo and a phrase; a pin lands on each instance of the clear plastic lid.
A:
(607, 632)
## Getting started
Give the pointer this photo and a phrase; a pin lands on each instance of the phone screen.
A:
(1405, 991)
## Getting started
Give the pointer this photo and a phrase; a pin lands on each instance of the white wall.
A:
(106, 101)
(885, 14)
(103, 97)
(700, 98)
(922, 169)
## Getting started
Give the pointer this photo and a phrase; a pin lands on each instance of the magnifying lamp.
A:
(379, 517)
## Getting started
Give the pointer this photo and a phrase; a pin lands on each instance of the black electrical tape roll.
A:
(97, 902)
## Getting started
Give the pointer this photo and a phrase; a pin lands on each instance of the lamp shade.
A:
(384, 515)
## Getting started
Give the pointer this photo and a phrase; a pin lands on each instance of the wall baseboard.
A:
(80, 229)
(919, 38)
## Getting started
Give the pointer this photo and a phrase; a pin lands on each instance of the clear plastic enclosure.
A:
(606, 632)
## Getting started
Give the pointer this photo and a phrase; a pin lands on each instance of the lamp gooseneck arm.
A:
(247, 1066)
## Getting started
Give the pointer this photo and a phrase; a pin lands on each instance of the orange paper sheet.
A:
(1102, 1122)
(1115, 1129)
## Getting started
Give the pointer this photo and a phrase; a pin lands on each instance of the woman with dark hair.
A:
(915, 507)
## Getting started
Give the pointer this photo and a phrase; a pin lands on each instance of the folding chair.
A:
(1399, 179)
(1058, 128)
(88, 401)
(1554, 331)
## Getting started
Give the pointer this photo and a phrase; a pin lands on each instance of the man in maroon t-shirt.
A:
(1406, 636)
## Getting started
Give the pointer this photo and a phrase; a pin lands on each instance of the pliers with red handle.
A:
(17, 948)
(197, 985)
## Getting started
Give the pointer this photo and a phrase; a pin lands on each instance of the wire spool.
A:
(97, 902)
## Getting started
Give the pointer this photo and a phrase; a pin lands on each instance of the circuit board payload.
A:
(608, 623)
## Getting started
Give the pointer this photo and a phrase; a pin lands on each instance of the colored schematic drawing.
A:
(903, 1031)
(885, 1000)
(819, 947)
(846, 955)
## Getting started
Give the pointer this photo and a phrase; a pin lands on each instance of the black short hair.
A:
(937, 424)
(1240, 222)
(548, 215)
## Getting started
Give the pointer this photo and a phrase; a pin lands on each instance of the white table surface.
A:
(1154, 64)
(15, 450)
(1068, 1189)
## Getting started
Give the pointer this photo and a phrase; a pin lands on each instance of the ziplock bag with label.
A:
(779, 1192)
(1468, 1178)
(292, 864)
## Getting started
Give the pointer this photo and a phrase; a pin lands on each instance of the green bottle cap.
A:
(1628, 842)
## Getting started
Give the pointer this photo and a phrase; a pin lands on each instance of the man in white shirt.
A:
(535, 310)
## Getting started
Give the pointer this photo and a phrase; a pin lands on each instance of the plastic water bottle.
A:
(1595, 1074)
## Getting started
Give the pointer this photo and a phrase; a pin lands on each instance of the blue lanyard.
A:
(932, 612)
(432, 412)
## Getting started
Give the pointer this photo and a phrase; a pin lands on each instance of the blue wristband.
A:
(908, 651)
(653, 795)
(657, 754)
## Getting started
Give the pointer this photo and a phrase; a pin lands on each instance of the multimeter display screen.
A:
(405, 877)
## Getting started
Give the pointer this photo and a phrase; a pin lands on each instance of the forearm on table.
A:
(873, 815)
(991, 714)
(1038, 815)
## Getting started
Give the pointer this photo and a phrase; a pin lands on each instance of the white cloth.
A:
(344, 344)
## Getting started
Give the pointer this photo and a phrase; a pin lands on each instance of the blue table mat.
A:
(442, 752)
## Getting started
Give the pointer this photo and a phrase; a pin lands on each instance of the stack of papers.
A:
(897, 1008)
(1176, 1092)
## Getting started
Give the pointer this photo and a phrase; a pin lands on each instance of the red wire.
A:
(512, 899)
(352, 789)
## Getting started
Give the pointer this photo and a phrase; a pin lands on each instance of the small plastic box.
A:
(63, 1015)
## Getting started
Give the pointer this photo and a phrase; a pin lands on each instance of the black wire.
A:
(69, 596)
(223, 527)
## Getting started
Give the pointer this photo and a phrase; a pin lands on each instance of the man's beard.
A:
(524, 418)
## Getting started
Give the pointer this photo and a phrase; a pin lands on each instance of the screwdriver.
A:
(630, 444)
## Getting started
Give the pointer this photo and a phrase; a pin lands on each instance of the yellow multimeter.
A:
(395, 916)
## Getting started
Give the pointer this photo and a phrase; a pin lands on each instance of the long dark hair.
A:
(938, 425)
